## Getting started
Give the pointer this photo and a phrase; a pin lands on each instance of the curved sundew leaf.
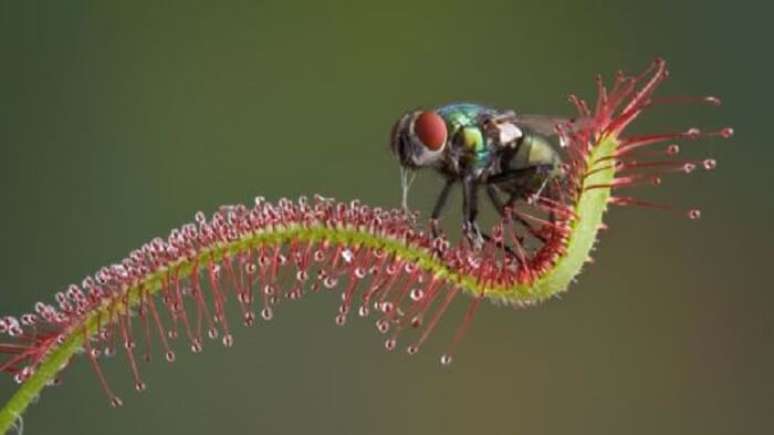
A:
(384, 264)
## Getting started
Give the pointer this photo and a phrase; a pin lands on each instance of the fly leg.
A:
(491, 191)
(470, 212)
(440, 203)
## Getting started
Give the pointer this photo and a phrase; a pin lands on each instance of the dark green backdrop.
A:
(117, 122)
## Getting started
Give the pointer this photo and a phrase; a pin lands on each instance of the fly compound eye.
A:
(430, 129)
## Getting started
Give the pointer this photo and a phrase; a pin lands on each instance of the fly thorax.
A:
(475, 146)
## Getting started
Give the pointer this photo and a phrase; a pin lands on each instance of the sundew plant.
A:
(171, 294)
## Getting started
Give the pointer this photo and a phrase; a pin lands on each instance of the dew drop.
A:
(196, 346)
(116, 401)
(267, 313)
(726, 132)
(172, 334)
(416, 321)
(249, 318)
(692, 133)
(347, 255)
(390, 344)
(655, 180)
(302, 276)
(362, 311)
(673, 150)
(170, 356)
(386, 307)
(228, 340)
(330, 282)
(140, 387)
(689, 167)
(715, 101)
(446, 359)
(268, 290)
(382, 326)
(341, 319)
(417, 294)
(250, 268)
(412, 350)
(694, 214)
(710, 164)
(212, 333)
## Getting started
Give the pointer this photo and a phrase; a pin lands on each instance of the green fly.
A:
(478, 146)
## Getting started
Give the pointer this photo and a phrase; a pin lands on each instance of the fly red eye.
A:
(430, 128)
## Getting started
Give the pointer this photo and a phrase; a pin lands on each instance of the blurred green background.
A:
(119, 121)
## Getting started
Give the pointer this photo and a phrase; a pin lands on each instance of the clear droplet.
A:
(170, 356)
(390, 344)
(196, 346)
(249, 318)
(341, 319)
(228, 340)
(693, 133)
(116, 401)
(382, 326)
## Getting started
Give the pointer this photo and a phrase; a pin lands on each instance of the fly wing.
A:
(547, 125)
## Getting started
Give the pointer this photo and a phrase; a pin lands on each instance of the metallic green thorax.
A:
(462, 121)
